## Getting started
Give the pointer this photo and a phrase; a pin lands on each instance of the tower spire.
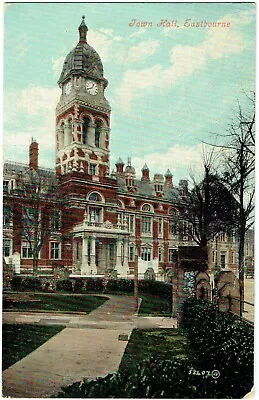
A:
(82, 30)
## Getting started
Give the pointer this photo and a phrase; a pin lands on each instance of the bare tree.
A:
(238, 154)
(36, 193)
(210, 207)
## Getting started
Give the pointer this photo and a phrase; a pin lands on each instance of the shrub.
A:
(16, 283)
(95, 284)
(78, 285)
(64, 285)
(120, 285)
(151, 379)
(156, 288)
(221, 342)
(31, 283)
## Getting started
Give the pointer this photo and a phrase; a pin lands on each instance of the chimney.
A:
(145, 174)
(33, 155)
(119, 166)
(183, 187)
(168, 179)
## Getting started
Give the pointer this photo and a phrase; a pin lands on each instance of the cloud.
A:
(184, 61)
(142, 50)
(178, 158)
(57, 65)
(36, 112)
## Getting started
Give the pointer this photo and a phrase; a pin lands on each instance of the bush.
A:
(221, 342)
(120, 285)
(78, 285)
(31, 283)
(95, 285)
(64, 285)
(156, 288)
(16, 283)
(151, 379)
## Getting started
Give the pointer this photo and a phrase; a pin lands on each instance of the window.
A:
(55, 250)
(147, 208)
(158, 188)
(95, 197)
(173, 211)
(129, 182)
(160, 254)
(86, 123)
(130, 221)
(160, 226)
(92, 169)
(7, 217)
(26, 250)
(223, 260)
(146, 253)
(7, 247)
(56, 220)
(146, 224)
(95, 214)
(173, 256)
(173, 228)
(131, 253)
(97, 135)
(5, 186)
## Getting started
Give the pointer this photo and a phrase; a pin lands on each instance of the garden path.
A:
(90, 346)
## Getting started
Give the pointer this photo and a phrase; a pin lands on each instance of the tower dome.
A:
(83, 59)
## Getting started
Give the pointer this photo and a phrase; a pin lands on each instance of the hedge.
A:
(221, 342)
(26, 284)
(152, 379)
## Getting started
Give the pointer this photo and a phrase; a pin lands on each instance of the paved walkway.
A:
(89, 347)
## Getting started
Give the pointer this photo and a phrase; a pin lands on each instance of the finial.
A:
(82, 30)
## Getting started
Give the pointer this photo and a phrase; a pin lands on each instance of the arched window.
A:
(147, 208)
(173, 211)
(98, 129)
(86, 123)
(96, 197)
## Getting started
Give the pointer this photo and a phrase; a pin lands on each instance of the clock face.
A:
(68, 87)
(91, 87)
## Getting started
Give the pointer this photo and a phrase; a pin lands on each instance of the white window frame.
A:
(5, 246)
(54, 249)
(146, 253)
(25, 247)
(160, 227)
(132, 253)
(147, 225)
(92, 169)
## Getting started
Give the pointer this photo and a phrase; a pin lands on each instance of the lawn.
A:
(52, 302)
(154, 305)
(20, 340)
(161, 343)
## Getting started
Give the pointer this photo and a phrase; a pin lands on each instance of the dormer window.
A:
(158, 188)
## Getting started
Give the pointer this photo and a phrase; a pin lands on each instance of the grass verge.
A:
(154, 305)
(20, 340)
(161, 343)
(52, 302)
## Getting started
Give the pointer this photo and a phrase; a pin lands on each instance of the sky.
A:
(170, 88)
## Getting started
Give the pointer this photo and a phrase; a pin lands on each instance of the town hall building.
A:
(95, 219)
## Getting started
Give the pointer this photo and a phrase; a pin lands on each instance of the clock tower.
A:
(83, 113)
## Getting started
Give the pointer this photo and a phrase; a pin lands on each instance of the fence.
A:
(232, 305)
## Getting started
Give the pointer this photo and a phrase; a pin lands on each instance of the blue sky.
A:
(169, 88)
